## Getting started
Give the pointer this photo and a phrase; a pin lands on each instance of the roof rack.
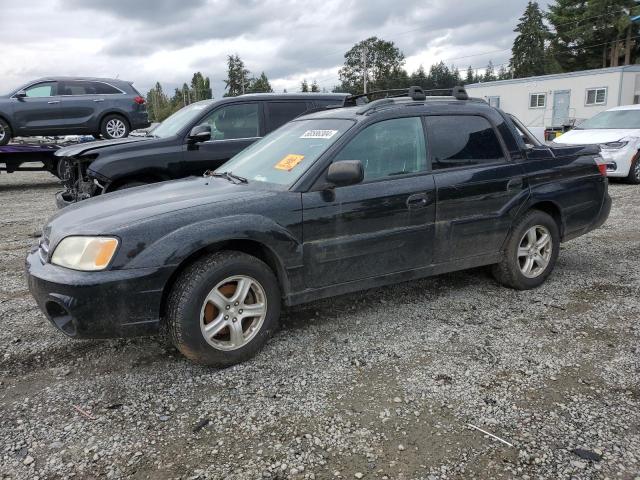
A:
(415, 94)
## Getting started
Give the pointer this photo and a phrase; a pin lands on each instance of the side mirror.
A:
(21, 94)
(345, 172)
(200, 133)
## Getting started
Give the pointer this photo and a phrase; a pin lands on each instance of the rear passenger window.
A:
(75, 88)
(388, 148)
(459, 140)
(104, 88)
(279, 113)
(230, 122)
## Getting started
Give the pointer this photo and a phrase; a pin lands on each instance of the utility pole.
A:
(364, 69)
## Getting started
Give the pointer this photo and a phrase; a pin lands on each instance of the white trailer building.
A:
(554, 101)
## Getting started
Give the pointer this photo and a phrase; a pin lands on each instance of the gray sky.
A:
(161, 40)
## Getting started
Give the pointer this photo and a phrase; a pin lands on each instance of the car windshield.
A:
(285, 154)
(618, 119)
(176, 122)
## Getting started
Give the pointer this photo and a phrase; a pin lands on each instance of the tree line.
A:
(570, 35)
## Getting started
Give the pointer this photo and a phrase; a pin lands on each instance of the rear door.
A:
(39, 112)
(277, 113)
(234, 127)
(384, 224)
(79, 101)
(478, 188)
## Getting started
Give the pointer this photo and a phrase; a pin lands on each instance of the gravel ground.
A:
(382, 384)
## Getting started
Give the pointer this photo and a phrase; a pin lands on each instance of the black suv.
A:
(199, 137)
(331, 203)
(72, 106)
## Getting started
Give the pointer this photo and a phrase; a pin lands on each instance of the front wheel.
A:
(114, 126)
(5, 132)
(634, 171)
(223, 308)
(531, 252)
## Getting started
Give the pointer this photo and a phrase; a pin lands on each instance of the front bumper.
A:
(111, 303)
(618, 161)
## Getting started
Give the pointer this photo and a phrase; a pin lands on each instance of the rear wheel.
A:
(114, 126)
(531, 252)
(5, 132)
(634, 171)
(223, 308)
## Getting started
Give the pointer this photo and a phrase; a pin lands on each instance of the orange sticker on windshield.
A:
(288, 162)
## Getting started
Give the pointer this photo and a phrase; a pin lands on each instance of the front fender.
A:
(176, 246)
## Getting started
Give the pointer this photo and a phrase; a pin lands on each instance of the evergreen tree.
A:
(158, 104)
(419, 78)
(592, 34)
(528, 51)
(237, 76)
(315, 87)
(260, 85)
(304, 86)
(470, 76)
(200, 87)
(503, 73)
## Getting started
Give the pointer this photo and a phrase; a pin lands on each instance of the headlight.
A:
(613, 145)
(85, 253)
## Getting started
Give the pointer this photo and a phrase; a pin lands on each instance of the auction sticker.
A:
(319, 134)
(288, 162)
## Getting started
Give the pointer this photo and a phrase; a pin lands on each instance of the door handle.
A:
(418, 200)
(51, 102)
(99, 100)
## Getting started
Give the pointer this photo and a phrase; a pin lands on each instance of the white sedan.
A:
(617, 131)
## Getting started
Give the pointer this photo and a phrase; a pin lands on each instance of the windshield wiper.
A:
(228, 176)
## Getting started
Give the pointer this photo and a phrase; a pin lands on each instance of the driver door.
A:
(384, 224)
(39, 112)
(234, 127)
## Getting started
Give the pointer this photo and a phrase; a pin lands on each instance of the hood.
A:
(118, 210)
(100, 146)
(595, 136)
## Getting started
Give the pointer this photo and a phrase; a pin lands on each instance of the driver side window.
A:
(45, 89)
(388, 148)
(234, 121)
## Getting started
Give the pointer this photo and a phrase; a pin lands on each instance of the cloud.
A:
(163, 40)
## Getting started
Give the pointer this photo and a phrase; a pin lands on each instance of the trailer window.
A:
(596, 96)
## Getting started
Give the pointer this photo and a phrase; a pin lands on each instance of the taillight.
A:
(602, 166)
(139, 100)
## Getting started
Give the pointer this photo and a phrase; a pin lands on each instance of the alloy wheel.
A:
(534, 251)
(636, 168)
(233, 312)
(116, 128)
(3, 132)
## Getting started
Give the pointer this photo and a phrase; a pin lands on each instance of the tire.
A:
(131, 184)
(189, 312)
(512, 270)
(114, 127)
(634, 171)
(5, 132)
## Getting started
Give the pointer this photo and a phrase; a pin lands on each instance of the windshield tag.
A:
(319, 134)
(289, 162)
